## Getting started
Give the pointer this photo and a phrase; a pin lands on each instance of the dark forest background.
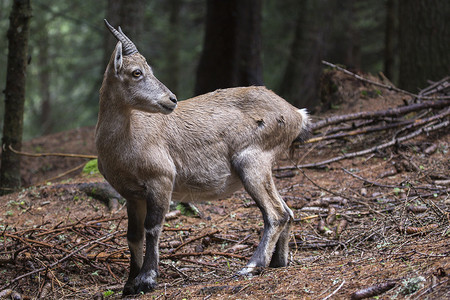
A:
(195, 46)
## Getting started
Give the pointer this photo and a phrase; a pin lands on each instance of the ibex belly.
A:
(205, 184)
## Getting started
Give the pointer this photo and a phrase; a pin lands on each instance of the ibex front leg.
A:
(136, 210)
(157, 204)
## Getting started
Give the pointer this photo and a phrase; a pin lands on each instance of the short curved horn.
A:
(128, 46)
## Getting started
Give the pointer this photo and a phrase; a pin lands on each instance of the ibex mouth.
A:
(169, 109)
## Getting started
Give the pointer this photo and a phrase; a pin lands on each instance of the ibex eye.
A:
(137, 73)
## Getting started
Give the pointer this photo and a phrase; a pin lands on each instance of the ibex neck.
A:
(112, 102)
(121, 124)
(113, 119)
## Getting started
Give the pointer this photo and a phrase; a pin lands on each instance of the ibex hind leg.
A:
(280, 255)
(256, 176)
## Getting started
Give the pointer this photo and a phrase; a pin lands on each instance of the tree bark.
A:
(173, 58)
(18, 33)
(44, 81)
(290, 87)
(389, 38)
(232, 46)
(129, 15)
(424, 42)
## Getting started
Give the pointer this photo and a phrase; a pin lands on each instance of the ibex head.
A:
(130, 77)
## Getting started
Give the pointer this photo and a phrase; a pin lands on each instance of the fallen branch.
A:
(373, 290)
(357, 132)
(52, 154)
(388, 185)
(385, 86)
(437, 87)
(369, 150)
(380, 113)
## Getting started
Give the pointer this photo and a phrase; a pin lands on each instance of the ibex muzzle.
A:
(152, 151)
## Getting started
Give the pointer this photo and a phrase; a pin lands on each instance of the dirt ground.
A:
(371, 222)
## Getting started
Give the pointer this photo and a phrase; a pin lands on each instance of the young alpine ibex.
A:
(152, 151)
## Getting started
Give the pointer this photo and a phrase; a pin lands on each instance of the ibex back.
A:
(152, 149)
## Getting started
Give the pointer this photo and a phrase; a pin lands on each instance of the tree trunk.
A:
(132, 18)
(424, 42)
(18, 33)
(232, 46)
(129, 15)
(389, 38)
(173, 59)
(290, 87)
(44, 81)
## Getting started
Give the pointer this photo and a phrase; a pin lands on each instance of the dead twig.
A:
(431, 288)
(373, 290)
(59, 261)
(437, 87)
(318, 245)
(195, 239)
(335, 291)
(423, 229)
(341, 226)
(177, 229)
(331, 217)
(213, 253)
(59, 175)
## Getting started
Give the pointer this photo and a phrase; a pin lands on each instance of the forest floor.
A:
(378, 222)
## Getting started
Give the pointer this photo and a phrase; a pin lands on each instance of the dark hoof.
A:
(278, 263)
(146, 287)
(145, 283)
(128, 289)
(139, 286)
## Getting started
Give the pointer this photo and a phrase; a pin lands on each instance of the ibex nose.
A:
(173, 98)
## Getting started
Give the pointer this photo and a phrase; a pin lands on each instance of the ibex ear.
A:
(118, 57)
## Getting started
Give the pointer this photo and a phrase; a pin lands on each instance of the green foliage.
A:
(108, 293)
(397, 191)
(187, 210)
(412, 285)
(91, 167)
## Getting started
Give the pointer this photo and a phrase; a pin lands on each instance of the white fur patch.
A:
(148, 279)
(247, 271)
(154, 231)
(305, 117)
